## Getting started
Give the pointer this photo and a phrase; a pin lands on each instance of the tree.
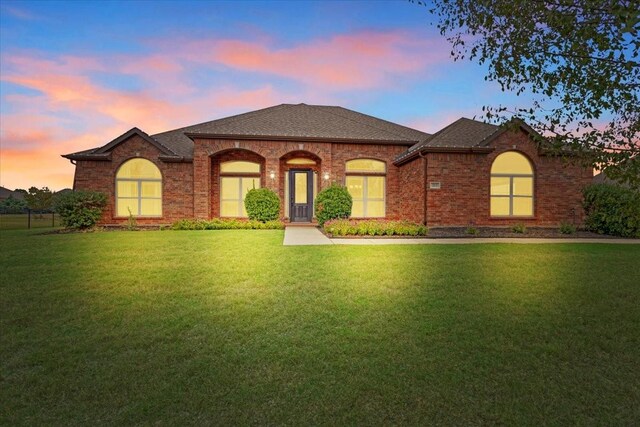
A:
(577, 59)
(39, 199)
(12, 206)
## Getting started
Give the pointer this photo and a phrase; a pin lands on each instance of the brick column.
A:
(201, 183)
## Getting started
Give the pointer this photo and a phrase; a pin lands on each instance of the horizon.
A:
(76, 75)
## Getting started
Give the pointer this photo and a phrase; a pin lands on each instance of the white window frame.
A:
(240, 197)
(139, 181)
(365, 199)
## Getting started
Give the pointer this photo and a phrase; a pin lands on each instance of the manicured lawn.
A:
(230, 327)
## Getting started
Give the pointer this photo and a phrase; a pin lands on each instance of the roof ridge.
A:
(382, 120)
(359, 122)
(234, 118)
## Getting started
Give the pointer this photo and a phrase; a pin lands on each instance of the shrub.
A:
(262, 204)
(567, 228)
(334, 202)
(612, 209)
(226, 224)
(472, 231)
(80, 209)
(519, 228)
(12, 206)
(345, 227)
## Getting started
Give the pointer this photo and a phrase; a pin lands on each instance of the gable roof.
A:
(280, 122)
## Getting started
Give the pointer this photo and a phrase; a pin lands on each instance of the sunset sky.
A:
(75, 75)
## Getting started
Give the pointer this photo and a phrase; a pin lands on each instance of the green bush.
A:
(472, 231)
(12, 206)
(345, 227)
(262, 204)
(334, 202)
(519, 228)
(226, 224)
(80, 209)
(612, 209)
(567, 228)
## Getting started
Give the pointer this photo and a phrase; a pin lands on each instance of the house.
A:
(5, 193)
(467, 173)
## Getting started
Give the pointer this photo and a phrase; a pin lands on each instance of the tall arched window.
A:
(138, 189)
(511, 185)
(236, 179)
(365, 181)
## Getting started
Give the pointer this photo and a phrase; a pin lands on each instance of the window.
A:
(511, 185)
(300, 161)
(366, 183)
(236, 179)
(138, 189)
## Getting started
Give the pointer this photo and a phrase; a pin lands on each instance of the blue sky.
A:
(75, 75)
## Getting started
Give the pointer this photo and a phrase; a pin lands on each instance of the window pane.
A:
(365, 165)
(357, 210)
(239, 167)
(522, 206)
(523, 186)
(375, 209)
(249, 184)
(500, 206)
(229, 208)
(300, 195)
(127, 189)
(300, 161)
(500, 186)
(151, 189)
(139, 168)
(151, 207)
(511, 162)
(375, 187)
(355, 186)
(125, 204)
(230, 188)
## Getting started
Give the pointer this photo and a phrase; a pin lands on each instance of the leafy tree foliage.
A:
(12, 206)
(578, 60)
(39, 199)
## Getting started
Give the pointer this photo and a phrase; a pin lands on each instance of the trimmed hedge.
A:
(226, 224)
(612, 209)
(262, 204)
(80, 209)
(344, 227)
(334, 202)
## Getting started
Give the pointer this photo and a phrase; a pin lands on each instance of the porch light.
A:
(325, 176)
(272, 175)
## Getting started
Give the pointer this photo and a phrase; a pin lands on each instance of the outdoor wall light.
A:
(272, 175)
(326, 176)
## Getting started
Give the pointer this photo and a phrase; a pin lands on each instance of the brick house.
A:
(467, 173)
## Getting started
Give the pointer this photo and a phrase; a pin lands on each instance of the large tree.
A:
(39, 199)
(577, 62)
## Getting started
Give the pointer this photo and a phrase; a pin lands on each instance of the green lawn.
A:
(230, 327)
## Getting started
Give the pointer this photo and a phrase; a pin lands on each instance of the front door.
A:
(301, 195)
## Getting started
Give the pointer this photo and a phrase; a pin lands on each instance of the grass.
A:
(230, 327)
(21, 221)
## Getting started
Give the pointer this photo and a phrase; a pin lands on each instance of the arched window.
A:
(236, 179)
(511, 185)
(365, 181)
(138, 189)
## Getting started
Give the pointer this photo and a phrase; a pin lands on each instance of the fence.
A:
(29, 219)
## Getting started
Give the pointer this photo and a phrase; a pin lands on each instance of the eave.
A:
(459, 150)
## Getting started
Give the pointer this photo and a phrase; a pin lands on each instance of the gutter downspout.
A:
(424, 187)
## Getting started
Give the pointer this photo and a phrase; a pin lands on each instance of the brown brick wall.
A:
(177, 181)
(191, 189)
(464, 198)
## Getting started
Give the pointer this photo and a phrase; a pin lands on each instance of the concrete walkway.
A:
(303, 236)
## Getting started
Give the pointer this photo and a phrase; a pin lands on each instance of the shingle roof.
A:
(463, 133)
(285, 121)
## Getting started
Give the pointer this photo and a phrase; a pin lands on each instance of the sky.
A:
(75, 75)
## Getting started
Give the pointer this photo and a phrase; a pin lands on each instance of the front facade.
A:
(469, 173)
